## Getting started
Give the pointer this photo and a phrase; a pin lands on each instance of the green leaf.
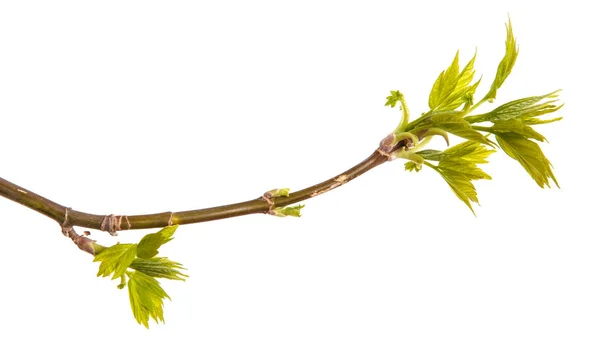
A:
(454, 123)
(471, 151)
(444, 84)
(116, 259)
(292, 211)
(160, 268)
(431, 154)
(506, 64)
(524, 109)
(452, 89)
(275, 193)
(535, 121)
(146, 298)
(463, 167)
(462, 187)
(149, 245)
(394, 97)
(516, 126)
(530, 155)
(457, 165)
(412, 166)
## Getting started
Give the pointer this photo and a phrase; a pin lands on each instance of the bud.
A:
(292, 211)
(85, 244)
(387, 144)
(275, 193)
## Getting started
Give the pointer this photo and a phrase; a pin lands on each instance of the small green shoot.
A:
(287, 211)
(452, 109)
(138, 263)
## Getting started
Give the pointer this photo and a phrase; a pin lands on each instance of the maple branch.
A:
(112, 223)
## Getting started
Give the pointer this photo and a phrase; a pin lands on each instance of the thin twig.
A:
(113, 223)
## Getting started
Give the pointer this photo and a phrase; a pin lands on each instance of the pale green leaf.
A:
(471, 151)
(431, 154)
(464, 167)
(524, 109)
(394, 97)
(506, 64)
(536, 121)
(457, 165)
(444, 84)
(275, 193)
(452, 89)
(462, 159)
(287, 211)
(116, 259)
(516, 126)
(412, 166)
(146, 298)
(461, 186)
(530, 155)
(160, 268)
(149, 245)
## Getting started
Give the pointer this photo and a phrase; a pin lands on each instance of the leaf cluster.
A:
(512, 126)
(458, 167)
(509, 127)
(138, 268)
(453, 88)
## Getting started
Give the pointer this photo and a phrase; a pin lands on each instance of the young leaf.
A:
(536, 121)
(524, 109)
(458, 167)
(394, 97)
(293, 211)
(454, 123)
(149, 245)
(431, 154)
(159, 268)
(471, 151)
(275, 193)
(516, 126)
(116, 259)
(530, 155)
(464, 167)
(412, 166)
(506, 64)
(452, 89)
(461, 186)
(146, 298)
(444, 84)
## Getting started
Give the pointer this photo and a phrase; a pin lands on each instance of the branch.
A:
(68, 217)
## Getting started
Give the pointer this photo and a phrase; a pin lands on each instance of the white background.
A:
(134, 107)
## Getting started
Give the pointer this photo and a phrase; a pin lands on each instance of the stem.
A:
(412, 125)
(112, 223)
(474, 107)
(482, 128)
(405, 116)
